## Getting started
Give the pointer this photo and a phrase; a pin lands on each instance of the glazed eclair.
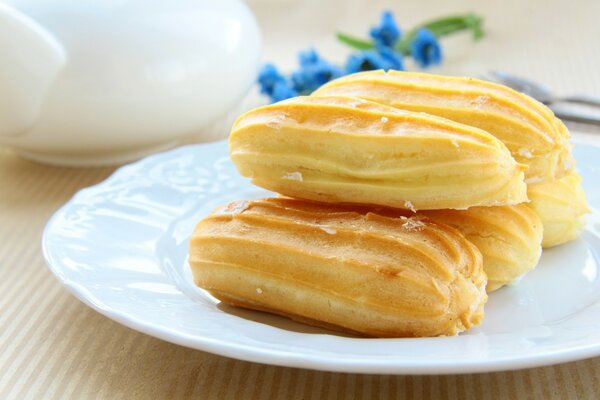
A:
(348, 150)
(509, 238)
(529, 129)
(562, 207)
(341, 267)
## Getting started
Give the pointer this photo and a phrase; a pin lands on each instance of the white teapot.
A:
(86, 82)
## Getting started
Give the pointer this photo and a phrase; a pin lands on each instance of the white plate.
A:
(121, 248)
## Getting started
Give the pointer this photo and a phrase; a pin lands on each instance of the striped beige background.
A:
(52, 346)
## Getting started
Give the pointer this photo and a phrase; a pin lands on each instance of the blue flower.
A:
(313, 73)
(268, 77)
(274, 84)
(425, 49)
(282, 91)
(369, 60)
(387, 33)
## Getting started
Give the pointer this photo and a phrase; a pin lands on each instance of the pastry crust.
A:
(341, 267)
(561, 206)
(348, 150)
(509, 238)
(529, 129)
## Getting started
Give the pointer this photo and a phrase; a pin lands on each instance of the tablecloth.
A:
(53, 346)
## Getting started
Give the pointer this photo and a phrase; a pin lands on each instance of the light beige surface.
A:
(53, 346)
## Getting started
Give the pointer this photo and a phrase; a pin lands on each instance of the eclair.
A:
(349, 150)
(341, 267)
(509, 238)
(529, 129)
(562, 207)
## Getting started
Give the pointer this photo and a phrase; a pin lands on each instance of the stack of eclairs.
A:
(404, 199)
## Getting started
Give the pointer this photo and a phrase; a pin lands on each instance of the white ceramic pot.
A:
(102, 81)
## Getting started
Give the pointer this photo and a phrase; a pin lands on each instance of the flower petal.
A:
(387, 32)
(425, 49)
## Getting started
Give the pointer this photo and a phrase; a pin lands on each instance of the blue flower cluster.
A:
(274, 84)
(368, 60)
(315, 71)
(383, 56)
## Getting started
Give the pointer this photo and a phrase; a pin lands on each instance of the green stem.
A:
(352, 41)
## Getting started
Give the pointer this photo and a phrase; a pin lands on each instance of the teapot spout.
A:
(30, 61)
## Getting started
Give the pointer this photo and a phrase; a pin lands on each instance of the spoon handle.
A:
(582, 99)
(577, 117)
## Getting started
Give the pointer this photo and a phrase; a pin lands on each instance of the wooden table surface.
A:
(53, 346)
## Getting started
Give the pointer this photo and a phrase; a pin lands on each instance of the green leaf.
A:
(475, 22)
(352, 41)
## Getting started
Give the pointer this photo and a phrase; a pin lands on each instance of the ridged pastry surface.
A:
(348, 150)
(341, 267)
(528, 128)
(561, 206)
(509, 238)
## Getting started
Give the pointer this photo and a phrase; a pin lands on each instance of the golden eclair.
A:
(509, 238)
(561, 206)
(341, 267)
(529, 129)
(348, 150)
